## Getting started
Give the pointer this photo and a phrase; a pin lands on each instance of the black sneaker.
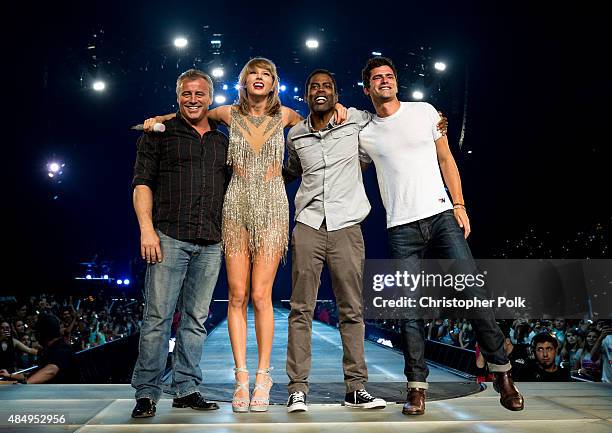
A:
(362, 399)
(195, 401)
(297, 402)
(145, 408)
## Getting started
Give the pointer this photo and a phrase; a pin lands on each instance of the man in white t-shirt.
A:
(413, 164)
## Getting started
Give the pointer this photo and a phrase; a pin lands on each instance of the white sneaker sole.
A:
(297, 407)
(381, 404)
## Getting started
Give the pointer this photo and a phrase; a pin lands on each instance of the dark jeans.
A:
(440, 237)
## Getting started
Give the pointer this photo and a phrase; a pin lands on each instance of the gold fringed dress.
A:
(256, 210)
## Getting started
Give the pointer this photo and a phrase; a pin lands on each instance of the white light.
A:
(417, 94)
(295, 89)
(105, 277)
(215, 41)
(99, 86)
(217, 72)
(51, 175)
(180, 42)
(54, 167)
(312, 43)
(283, 88)
(360, 83)
(224, 87)
(119, 282)
(376, 53)
(88, 277)
(126, 281)
(220, 99)
(237, 87)
(469, 151)
(440, 66)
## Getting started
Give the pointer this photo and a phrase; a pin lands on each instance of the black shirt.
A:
(531, 372)
(60, 354)
(188, 176)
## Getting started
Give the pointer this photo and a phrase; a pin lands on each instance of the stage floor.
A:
(549, 407)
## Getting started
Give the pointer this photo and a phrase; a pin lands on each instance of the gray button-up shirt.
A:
(328, 161)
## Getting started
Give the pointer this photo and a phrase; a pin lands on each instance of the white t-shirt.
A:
(606, 359)
(403, 149)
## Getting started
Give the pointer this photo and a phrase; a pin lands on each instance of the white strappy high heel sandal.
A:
(240, 404)
(261, 403)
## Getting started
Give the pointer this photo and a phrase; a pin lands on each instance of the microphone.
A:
(158, 127)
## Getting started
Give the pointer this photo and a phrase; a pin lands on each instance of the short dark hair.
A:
(48, 327)
(375, 62)
(320, 71)
(545, 337)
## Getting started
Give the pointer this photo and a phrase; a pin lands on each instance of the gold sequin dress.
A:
(256, 210)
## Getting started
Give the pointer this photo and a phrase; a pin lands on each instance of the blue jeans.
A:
(191, 271)
(440, 237)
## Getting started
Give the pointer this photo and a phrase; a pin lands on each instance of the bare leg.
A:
(238, 275)
(264, 272)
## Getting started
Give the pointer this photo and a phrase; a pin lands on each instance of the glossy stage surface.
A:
(453, 405)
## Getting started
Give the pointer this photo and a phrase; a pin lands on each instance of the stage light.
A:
(440, 66)
(360, 83)
(312, 44)
(99, 86)
(54, 167)
(216, 42)
(469, 151)
(224, 87)
(126, 282)
(418, 95)
(237, 87)
(376, 53)
(180, 42)
(220, 99)
(51, 175)
(88, 277)
(295, 89)
(217, 72)
(105, 277)
(283, 88)
(120, 282)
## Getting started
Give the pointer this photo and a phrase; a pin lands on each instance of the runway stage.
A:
(550, 407)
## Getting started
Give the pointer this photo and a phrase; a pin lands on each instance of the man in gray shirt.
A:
(329, 207)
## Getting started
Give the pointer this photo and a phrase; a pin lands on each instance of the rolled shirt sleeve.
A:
(146, 167)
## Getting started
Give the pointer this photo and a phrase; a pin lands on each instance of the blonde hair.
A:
(273, 105)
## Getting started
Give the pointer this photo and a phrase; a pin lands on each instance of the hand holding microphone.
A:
(150, 125)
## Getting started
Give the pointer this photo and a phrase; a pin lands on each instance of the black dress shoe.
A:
(145, 408)
(194, 401)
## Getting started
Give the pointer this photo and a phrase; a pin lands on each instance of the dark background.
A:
(535, 81)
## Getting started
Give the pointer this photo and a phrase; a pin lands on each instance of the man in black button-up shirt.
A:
(180, 177)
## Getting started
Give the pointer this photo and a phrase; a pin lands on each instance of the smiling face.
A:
(259, 81)
(321, 96)
(383, 84)
(591, 338)
(193, 99)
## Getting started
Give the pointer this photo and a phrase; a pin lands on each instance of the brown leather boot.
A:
(509, 395)
(415, 403)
